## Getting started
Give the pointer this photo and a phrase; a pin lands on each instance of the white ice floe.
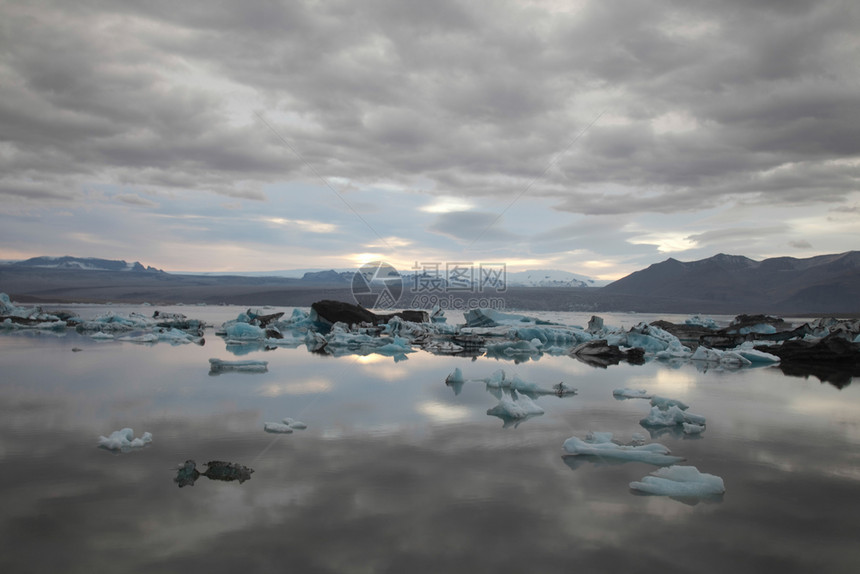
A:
(690, 428)
(277, 428)
(513, 406)
(287, 426)
(725, 358)
(702, 322)
(98, 335)
(124, 440)
(680, 481)
(250, 366)
(111, 322)
(499, 380)
(670, 417)
(748, 352)
(631, 394)
(664, 403)
(600, 445)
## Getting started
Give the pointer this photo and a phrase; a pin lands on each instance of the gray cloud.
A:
(705, 103)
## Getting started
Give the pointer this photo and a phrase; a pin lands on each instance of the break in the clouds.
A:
(480, 129)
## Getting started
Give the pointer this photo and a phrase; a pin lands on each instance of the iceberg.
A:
(680, 481)
(690, 428)
(631, 394)
(217, 366)
(294, 424)
(664, 403)
(599, 446)
(514, 409)
(753, 355)
(123, 440)
(493, 318)
(655, 340)
(670, 417)
(725, 358)
(244, 332)
(499, 380)
(699, 321)
(278, 428)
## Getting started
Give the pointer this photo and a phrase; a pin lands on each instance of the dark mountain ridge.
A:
(85, 263)
(824, 283)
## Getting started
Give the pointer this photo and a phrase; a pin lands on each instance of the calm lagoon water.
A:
(395, 473)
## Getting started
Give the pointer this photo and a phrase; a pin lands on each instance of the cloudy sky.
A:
(593, 136)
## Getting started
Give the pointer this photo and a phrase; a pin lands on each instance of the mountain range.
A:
(817, 284)
(722, 284)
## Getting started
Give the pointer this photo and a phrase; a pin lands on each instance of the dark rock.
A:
(833, 373)
(339, 311)
(227, 471)
(831, 349)
(187, 474)
(598, 353)
(264, 320)
(595, 324)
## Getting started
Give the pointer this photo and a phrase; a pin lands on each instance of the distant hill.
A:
(85, 263)
(723, 284)
(821, 284)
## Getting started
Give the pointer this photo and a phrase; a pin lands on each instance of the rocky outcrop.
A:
(599, 353)
(341, 312)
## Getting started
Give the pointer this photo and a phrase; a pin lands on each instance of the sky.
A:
(596, 137)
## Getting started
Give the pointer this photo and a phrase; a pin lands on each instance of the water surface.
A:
(397, 473)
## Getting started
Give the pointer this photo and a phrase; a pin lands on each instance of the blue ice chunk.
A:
(244, 332)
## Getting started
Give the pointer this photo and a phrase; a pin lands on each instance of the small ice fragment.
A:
(680, 481)
(101, 336)
(455, 377)
(690, 428)
(277, 428)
